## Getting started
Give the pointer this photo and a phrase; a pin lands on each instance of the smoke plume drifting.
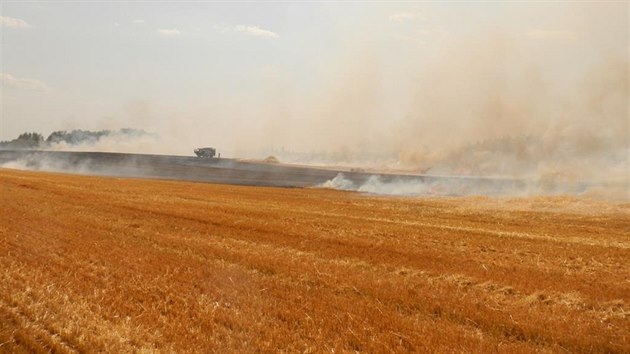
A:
(546, 104)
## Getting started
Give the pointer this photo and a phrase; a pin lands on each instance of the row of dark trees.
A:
(73, 137)
(24, 141)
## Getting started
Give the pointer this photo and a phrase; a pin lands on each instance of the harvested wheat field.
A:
(125, 265)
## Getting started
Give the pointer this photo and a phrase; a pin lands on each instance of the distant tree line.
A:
(36, 140)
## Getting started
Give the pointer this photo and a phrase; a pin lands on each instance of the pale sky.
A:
(297, 74)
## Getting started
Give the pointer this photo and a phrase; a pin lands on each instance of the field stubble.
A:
(119, 265)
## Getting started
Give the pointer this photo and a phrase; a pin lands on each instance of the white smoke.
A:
(433, 185)
(34, 163)
(376, 184)
(340, 182)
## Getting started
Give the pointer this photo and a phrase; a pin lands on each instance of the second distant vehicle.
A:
(207, 152)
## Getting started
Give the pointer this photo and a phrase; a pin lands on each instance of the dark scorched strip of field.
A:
(225, 171)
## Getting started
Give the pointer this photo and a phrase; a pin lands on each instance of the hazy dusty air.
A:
(530, 90)
(527, 90)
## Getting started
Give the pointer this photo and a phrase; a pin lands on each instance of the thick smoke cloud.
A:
(549, 106)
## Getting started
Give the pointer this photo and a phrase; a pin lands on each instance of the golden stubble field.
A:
(129, 265)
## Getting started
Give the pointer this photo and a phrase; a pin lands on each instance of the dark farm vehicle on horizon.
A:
(207, 152)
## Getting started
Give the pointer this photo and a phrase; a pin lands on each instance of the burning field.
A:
(122, 265)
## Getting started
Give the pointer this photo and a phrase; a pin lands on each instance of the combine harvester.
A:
(207, 152)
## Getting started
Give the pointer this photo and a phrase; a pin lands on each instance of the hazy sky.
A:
(300, 75)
